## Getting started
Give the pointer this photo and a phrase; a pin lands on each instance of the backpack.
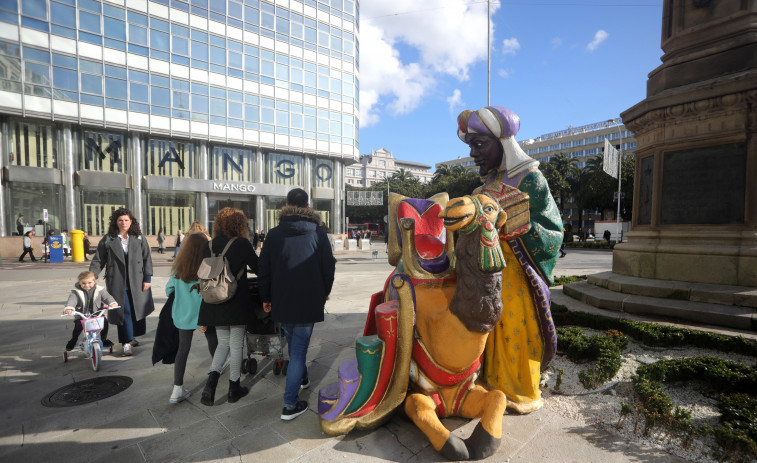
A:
(216, 282)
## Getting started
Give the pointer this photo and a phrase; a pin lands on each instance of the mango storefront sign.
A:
(155, 182)
(232, 187)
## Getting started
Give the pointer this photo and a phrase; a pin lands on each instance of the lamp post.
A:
(620, 165)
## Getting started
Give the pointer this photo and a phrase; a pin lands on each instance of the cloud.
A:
(504, 74)
(556, 42)
(436, 39)
(510, 46)
(455, 100)
(599, 37)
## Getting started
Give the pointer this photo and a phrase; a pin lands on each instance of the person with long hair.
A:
(230, 318)
(186, 305)
(125, 254)
(161, 241)
(197, 227)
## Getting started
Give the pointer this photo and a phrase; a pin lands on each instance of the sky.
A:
(555, 63)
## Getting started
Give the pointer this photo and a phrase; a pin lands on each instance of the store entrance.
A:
(246, 204)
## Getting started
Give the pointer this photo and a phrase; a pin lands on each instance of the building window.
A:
(172, 211)
(170, 159)
(232, 164)
(324, 173)
(97, 204)
(30, 199)
(32, 145)
(104, 152)
(284, 169)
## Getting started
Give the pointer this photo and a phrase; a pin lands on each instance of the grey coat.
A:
(110, 256)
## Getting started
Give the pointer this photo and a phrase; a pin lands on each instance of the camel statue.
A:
(406, 354)
(443, 373)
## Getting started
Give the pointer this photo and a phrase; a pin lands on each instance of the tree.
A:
(598, 189)
(562, 175)
(442, 171)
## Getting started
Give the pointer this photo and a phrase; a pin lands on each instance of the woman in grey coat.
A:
(125, 255)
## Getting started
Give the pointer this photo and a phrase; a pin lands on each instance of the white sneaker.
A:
(127, 350)
(179, 394)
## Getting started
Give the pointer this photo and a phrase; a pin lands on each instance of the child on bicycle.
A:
(87, 297)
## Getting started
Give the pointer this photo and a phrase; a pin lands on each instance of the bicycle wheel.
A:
(96, 355)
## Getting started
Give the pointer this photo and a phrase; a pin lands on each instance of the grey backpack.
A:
(217, 283)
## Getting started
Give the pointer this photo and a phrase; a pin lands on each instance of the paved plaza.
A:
(140, 425)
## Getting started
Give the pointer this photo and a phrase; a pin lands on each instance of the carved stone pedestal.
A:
(695, 189)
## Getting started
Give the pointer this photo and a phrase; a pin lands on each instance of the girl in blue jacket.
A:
(186, 305)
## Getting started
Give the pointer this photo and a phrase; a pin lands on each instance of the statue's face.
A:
(486, 151)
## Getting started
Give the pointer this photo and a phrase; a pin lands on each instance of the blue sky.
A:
(555, 63)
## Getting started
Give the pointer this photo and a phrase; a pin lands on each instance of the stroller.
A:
(263, 337)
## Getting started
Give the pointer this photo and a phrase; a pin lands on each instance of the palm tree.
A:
(562, 175)
(402, 175)
(442, 171)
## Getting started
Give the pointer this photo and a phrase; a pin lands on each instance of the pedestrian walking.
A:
(230, 318)
(20, 224)
(125, 255)
(27, 244)
(296, 254)
(186, 305)
(179, 236)
(161, 241)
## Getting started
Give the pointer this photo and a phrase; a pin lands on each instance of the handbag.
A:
(116, 316)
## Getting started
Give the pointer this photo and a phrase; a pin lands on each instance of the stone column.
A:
(66, 148)
(259, 200)
(4, 150)
(202, 214)
(338, 213)
(136, 150)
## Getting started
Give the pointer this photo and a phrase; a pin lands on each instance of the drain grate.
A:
(84, 392)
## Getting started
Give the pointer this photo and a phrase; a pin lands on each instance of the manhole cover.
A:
(84, 392)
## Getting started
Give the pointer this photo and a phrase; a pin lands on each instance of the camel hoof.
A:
(481, 444)
(454, 449)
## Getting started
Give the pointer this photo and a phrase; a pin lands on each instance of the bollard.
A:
(77, 245)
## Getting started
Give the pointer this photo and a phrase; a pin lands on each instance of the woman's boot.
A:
(209, 393)
(236, 391)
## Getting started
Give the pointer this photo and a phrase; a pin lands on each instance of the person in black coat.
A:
(230, 318)
(296, 274)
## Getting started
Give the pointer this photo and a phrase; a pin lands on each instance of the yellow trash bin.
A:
(77, 246)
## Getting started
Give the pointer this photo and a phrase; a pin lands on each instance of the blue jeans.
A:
(298, 340)
(126, 331)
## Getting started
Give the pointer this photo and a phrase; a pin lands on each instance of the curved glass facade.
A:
(246, 92)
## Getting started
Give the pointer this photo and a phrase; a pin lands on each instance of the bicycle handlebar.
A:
(96, 313)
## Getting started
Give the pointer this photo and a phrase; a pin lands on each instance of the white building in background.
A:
(379, 165)
(175, 109)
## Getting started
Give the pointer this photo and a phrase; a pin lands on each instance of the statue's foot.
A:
(454, 449)
(481, 444)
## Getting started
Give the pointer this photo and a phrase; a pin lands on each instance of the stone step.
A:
(732, 316)
(680, 290)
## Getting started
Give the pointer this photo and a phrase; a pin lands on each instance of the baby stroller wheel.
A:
(244, 366)
(65, 357)
(252, 366)
(286, 366)
(277, 367)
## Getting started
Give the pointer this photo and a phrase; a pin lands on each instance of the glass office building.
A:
(175, 109)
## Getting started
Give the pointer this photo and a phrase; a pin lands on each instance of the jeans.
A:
(126, 331)
(298, 340)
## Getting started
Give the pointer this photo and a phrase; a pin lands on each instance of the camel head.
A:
(478, 212)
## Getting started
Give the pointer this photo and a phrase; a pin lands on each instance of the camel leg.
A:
(490, 407)
(422, 410)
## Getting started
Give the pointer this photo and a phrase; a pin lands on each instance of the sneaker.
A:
(134, 342)
(292, 413)
(127, 350)
(179, 394)
(305, 383)
(71, 344)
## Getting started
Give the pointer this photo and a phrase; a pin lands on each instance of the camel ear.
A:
(501, 219)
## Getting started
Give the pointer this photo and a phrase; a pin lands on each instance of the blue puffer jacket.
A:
(296, 267)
